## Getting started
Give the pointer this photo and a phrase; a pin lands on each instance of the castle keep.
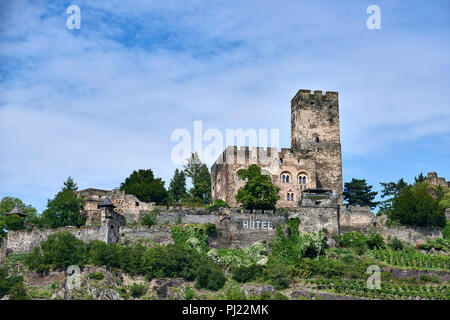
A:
(312, 165)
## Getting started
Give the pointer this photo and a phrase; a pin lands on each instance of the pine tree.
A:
(177, 186)
(70, 184)
(358, 193)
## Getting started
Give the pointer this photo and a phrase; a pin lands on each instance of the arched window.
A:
(287, 196)
(302, 179)
(292, 196)
(285, 177)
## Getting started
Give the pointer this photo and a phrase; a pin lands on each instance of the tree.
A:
(70, 184)
(357, 192)
(64, 209)
(15, 222)
(259, 191)
(414, 206)
(145, 187)
(420, 178)
(200, 177)
(389, 191)
(177, 186)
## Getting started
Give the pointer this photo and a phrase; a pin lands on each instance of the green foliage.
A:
(375, 240)
(210, 227)
(137, 290)
(14, 222)
(295, 246)
(96, 275)
(411, 258)
(389, 191)
(177, 186)
(218, 203)
(438, 244)
(149, 218)
(171, 261)
(247, 273)
(358, 193)
(256, 254)
(395, 243)
(200, 178)
(11, 285)
(102, 254)
(259, 191)
(446, 231)
(59, 251)
(145, 187)
(210, 276)
(64, 209)
(414, 206)
(235, 293)
(277, 274)
(191, 236)
(355, 240)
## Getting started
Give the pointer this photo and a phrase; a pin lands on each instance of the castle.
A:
(313, 164)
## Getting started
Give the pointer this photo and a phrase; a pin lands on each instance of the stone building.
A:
(433, 178)
(313, 163)
(126, 205)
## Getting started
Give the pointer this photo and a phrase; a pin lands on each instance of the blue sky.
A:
(99, 102)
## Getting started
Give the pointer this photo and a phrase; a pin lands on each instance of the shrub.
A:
(210, 276)
(60, 250)
(277, 275)
(219, 203)
(171, 261)
(103, 254)
(375, 240)
(235, 293)
(446, 231)
(355, 240)
(246, 273)
(11, 285)
(414, 206)
(137, 290)
(14, 222)
(210, 228)
(149, 218)
(96, 275)
(395, 243)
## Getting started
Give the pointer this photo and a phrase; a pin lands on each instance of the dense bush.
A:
(14, 222)
(149, 218)
(246, 273)
(210, 276)
(446, 231)
(137, 290)
(96, 275)
(256, 254)
(59, 251)
(191, 236)
(375, 240)
(355, 240)
(277, 274)
(103, 254)
(11, 285)
(219, 203)
(414, 206)
(171, 261)
(395, 243)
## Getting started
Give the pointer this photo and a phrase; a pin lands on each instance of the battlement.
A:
(433, 178)
(244, 155)
(317, 95)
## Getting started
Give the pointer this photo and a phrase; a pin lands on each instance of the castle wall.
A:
(315, 152)
(433, 178)
(127, 205)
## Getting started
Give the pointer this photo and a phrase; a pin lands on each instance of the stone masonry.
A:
(313, 161)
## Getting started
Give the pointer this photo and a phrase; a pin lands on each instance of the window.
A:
(285, 178)
(290, 196)
(137, 204)
(238, 176)
(302, 179)
(281, 160)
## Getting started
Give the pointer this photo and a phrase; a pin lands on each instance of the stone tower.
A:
(315, 136)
